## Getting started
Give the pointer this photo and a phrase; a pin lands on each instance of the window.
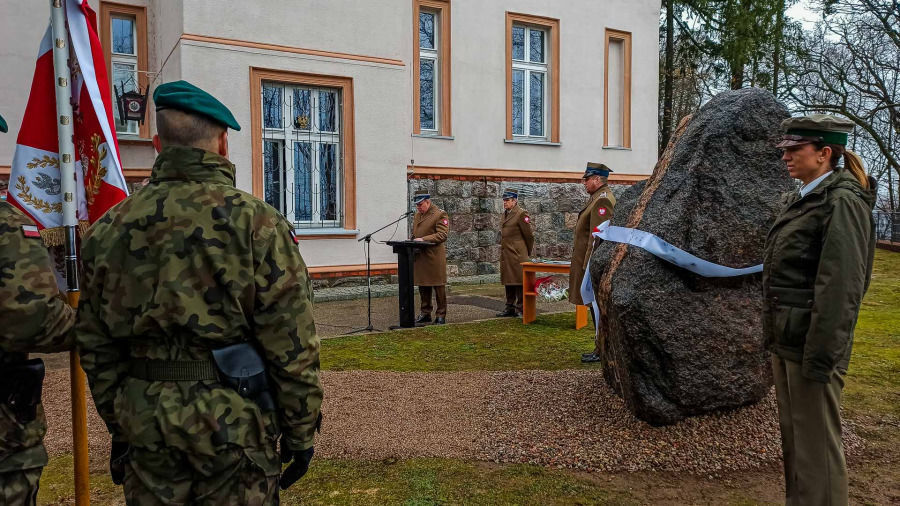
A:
(431, 67)
(303, 154)
(124, 65)
(124, 41)
(617, 90)
(429, 71)
(529, 81)
(532, 46)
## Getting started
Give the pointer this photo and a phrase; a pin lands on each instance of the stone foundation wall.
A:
(475, 210)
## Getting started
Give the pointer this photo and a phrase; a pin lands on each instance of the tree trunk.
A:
(669, 76)
(776, 53)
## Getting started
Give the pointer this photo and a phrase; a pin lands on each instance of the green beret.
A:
(815, 128)
(188, 98)
(3, 127)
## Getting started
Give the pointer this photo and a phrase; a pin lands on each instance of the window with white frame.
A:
(124, 56)
(530, 72)
(429, 72)
(303, 153)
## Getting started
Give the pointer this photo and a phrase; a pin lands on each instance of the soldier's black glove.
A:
(118, 459)
(299, 465)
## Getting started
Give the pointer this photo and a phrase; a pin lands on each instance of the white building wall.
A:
(382, 93)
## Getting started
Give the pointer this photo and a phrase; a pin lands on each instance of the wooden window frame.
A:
(625, 37)
(551, 25)
(442, 7)
(345, 85)
(107, 10)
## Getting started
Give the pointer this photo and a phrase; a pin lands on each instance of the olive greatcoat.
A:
(817, 266)
(597, 210)
(516, 244)
(431, 263)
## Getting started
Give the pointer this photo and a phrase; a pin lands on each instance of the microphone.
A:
(409, 213)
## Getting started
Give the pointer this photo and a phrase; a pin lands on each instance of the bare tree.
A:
(850, 65)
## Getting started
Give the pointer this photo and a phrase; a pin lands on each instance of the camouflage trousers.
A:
(239, 477)
(19, 488)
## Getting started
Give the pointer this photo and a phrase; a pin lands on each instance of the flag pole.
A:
(62, 82)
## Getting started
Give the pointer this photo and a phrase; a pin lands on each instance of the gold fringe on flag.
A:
(56, 236)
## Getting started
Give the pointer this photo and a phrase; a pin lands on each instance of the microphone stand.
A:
(368, 239)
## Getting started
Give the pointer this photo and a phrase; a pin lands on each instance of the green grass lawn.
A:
(550, 343)
(873, 381)
(872, 392)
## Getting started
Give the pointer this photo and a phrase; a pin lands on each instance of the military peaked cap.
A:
(420, 196)
(188, 98)
(815, 128)
(596, 169)
(510, 193)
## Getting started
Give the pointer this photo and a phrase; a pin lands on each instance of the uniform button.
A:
(810, 302)
(774, 299)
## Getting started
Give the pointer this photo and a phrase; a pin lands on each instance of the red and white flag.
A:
(35, 176)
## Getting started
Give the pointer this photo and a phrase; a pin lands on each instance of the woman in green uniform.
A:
(817, 266)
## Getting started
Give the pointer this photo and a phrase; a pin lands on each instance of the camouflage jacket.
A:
(34, 317)
(185, 265)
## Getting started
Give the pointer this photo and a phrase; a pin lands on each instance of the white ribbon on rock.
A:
(660, 248)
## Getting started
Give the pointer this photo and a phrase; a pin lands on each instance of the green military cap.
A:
(3, 127)
(188, 98)
(815, 128)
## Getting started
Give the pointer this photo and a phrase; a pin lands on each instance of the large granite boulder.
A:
(676, 344)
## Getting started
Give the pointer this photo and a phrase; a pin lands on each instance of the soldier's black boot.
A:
(590, 358)
(423, 318)
(509, 311)
(440, 320)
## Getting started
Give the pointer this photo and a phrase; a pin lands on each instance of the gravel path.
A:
(567, 419)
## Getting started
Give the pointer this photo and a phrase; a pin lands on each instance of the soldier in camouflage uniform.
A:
(34, 317)
(188, 265)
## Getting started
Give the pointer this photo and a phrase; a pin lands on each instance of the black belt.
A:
(173, 370)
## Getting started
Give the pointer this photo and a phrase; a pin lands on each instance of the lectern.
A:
(406, 251)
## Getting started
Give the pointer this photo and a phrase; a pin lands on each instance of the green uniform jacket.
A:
(186, 265)
(516, 244)
(34, 317)
(817, 267)
(430, 267)
(598, 209)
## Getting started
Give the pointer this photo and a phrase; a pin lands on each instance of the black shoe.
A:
(588, 354)
(440, 320)
(590, 358)
(507, 312)
(423, 318)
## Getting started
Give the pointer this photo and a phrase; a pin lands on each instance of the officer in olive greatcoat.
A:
(431, 224)
(816, 269)
(516, 245)
(598, 209)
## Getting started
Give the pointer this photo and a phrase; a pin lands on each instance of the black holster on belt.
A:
(21, 388)
(241, 368)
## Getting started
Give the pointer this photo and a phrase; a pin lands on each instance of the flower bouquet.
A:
(552, 288)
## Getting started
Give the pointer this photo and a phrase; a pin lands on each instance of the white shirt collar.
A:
(808, 187)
